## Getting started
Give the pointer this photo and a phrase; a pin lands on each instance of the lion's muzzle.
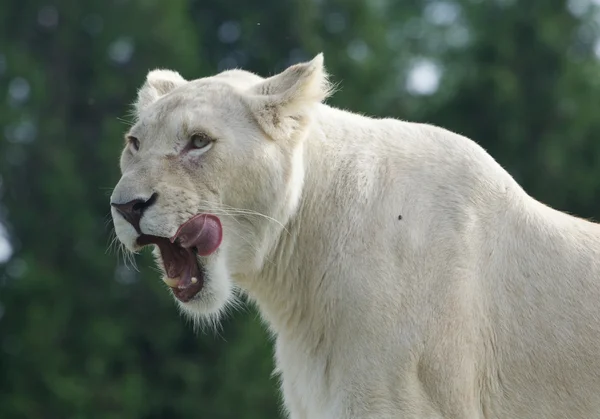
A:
(133, 210)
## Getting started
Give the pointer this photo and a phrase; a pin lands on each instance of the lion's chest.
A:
(308, 382)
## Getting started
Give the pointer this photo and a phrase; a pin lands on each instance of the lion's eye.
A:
(200, 141)
(134, 142)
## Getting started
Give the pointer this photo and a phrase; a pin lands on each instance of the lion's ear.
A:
(158, 83)
(282, 103)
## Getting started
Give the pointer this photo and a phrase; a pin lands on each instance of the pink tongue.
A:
(202, 231)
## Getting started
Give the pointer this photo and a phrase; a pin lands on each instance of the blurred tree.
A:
(524, 85)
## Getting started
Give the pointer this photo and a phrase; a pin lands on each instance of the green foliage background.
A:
(82, 336)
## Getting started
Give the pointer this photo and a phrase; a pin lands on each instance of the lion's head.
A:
(212, 170)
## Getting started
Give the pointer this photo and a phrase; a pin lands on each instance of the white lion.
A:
(404, 273)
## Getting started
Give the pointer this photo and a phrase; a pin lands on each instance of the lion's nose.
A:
(133, 210)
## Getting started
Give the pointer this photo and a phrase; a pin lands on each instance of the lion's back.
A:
(497, 272)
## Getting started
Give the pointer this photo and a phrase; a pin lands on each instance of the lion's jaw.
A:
(246, 172)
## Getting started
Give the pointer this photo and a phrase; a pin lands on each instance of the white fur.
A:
(404, 273)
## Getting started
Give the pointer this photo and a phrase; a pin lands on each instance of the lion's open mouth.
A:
(201, 235)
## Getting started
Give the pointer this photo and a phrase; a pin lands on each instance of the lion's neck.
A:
(295, 289)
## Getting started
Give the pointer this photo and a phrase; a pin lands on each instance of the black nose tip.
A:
(133, 210)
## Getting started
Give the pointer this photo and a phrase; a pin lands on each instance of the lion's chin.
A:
(201, 235)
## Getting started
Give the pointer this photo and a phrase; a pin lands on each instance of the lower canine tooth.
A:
(194, 280)
(172, 282)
